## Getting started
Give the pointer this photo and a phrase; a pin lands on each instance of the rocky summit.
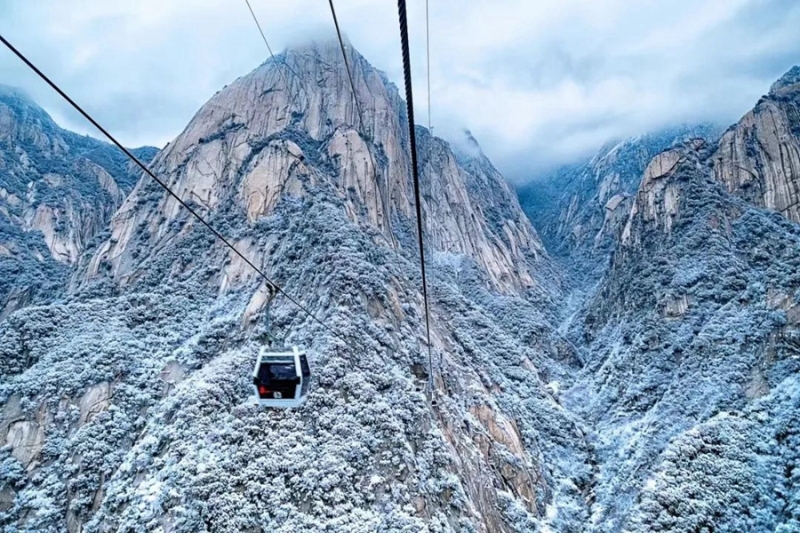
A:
(636, 368)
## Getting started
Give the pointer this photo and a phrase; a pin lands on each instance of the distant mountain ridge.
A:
(57, 191)
(688, 330)
(592, 197)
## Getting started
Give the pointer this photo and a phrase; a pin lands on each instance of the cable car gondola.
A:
(281, 379)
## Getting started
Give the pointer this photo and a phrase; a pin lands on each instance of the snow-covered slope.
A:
(689, 335)
(57, 191)
(690, 339)
(126, 407)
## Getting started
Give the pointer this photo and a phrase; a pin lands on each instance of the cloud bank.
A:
(538, 83)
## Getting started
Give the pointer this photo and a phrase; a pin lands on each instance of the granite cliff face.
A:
(759, 157)
(126, 406)
(256, 142)
(57, 191)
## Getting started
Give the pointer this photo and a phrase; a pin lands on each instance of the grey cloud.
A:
(538, 83)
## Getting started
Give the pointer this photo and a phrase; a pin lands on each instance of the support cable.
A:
(347, 66)
(387, 195)
(401, 8)
(269, 49)
(290, 103)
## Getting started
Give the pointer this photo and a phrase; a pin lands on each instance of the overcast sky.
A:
(538, 82)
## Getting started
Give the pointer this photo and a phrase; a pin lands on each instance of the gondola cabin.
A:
(281, 379)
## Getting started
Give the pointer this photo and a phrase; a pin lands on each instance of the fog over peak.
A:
(539, 84)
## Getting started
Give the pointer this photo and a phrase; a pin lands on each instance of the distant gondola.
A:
(281, 379)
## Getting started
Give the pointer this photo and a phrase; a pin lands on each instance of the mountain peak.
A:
(294, 127)
(22, 108)
(324, 42)
(7, 92)
(791, 77)
(318, 46)
(466, 146)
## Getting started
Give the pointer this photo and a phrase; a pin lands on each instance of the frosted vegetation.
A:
(694, 416)
(653, 388)
(197, 454)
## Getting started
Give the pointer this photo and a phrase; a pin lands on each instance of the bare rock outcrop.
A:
(24, 435)
(759, 157)
(657, 198)
(268, 142)
(96, 399)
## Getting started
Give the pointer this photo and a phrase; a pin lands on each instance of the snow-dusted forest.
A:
(615, 349)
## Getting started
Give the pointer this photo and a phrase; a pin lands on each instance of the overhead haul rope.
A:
(347, 66)
(278, 64)
(388, 199)
(141, 165)
(401, 8)
(269, 48)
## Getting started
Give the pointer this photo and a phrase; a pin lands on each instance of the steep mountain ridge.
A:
(58, 190)
(593, 198)
(690, 386)
(126, 407)
(255, 142)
